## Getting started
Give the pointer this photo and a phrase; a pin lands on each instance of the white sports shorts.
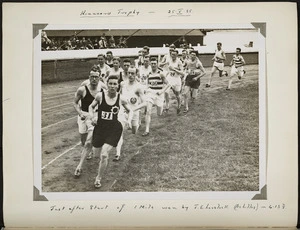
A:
(175, 82)
(218, 66)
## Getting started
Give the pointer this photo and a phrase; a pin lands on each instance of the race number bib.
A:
(192, 72)
(172, 73)
(153, 83)
(106, 115)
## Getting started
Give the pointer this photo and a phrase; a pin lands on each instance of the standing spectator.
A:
(46, 42)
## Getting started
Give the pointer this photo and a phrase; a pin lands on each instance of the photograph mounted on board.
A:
(163, 111)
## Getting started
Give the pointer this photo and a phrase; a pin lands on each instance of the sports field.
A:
(214, 147)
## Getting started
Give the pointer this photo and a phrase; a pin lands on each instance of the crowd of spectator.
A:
(86, 43)
(82, 43)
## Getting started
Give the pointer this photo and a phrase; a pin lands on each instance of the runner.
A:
(108, 129)
(85, 95)
(174, 75)
(104, 68)
(157, 85)
(218, 59)
(195, 72)
(109, 58)
(237, 67)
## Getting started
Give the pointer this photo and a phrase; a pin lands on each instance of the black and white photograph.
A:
(151, 110)
(150, 115)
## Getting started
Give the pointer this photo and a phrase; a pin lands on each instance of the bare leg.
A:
(148, 117)
(119, 146)
(210, 76)
(167, 98)
(83, 138)
(86, 150)
(230, 81)
(103, 163)
(186, 99)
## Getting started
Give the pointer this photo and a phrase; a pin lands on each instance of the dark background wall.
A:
(67, 70)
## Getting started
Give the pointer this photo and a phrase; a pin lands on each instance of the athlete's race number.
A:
(106, 115)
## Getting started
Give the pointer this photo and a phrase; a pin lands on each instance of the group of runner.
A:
(113, 97)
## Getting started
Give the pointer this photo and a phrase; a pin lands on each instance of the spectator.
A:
(139, 61)
(103, 42)
(46, 42)
(112, 43)
(122, 42)
(69, 46)
(96, 44)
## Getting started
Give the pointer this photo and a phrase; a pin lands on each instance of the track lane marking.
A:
(68, 150)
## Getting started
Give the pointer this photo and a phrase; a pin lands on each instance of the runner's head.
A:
(238, 50)
(184, 53)
(112, 83)
(126, 64)
(153, 63)
(193, 55)
(132, 73)
(101, 59)
(219, 45)
(94, 77)
(116, 62)
(174, 54)
(109, 55)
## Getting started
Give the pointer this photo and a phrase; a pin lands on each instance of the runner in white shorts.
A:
(86, 94)
(157, 85)
(218, 59)
(237, 67)
(133, 93)
(174, 75)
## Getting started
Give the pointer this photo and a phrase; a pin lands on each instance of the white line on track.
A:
(46, 98)
(68, 150)
(56, 106)
(46, 127)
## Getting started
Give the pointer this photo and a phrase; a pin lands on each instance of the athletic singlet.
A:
(108, 113)
(238, 60)
(193, 65)
(109, 64)
(87, 100)
(154, 81)
(219, 54)
(176, 65)
(129, 94)
(104, 69)
(144, 73)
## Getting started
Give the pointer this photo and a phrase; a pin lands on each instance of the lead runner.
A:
(108, 129)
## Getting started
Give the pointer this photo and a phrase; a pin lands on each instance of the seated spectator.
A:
(96, 44)
(103, 42)
(112, 43)
(122, 42)
(69, 45)
(89, 44)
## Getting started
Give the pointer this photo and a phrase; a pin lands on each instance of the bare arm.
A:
(96, 101)
(78, 96)
(167, 85)
(141, 95)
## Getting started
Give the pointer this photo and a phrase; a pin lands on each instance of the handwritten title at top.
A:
(177, 12)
